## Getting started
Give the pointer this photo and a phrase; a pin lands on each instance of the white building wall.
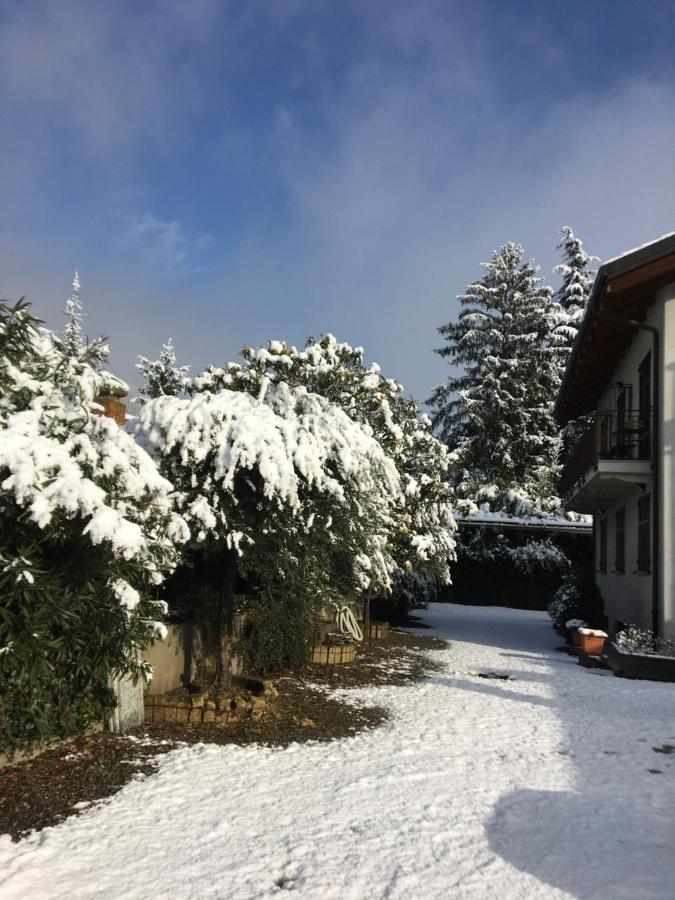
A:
(628, 597)
(666, 305)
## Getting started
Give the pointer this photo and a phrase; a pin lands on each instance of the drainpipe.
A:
(656, 468)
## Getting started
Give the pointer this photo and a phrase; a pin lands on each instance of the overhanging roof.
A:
(624, 287)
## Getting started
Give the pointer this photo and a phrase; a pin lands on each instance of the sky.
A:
(225, 172)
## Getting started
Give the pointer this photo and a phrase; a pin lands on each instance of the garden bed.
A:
(646, 666)
(51, 787)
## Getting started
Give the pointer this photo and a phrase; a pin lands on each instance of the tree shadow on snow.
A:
(561, 839)
(478, 685)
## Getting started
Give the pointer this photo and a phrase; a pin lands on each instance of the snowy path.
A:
(533, 787)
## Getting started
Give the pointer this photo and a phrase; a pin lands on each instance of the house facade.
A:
(620, 382)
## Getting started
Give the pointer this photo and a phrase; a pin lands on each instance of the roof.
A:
(624, 287)
(548, 524)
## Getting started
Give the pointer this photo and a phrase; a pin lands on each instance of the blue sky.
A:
(227, 172)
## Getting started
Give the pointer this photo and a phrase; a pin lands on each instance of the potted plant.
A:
(572, 627)
(592, 641)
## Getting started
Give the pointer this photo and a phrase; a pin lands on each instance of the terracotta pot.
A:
(592, 645)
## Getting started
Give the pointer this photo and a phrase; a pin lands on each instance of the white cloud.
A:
(166, 243)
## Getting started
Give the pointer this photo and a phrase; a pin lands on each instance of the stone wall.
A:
(199, 707)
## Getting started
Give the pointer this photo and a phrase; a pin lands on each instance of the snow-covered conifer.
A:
(163, 377)
(495, 414)
(73, 334)
(573, 293)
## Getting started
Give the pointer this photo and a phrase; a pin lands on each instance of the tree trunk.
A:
(226, 573)
(366, 612)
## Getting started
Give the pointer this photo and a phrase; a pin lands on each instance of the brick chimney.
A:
(111, 400)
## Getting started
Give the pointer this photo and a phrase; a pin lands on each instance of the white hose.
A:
(346, 622)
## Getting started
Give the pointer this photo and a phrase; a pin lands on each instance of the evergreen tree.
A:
(87, 532)
(496, 413)
(572, 295)
(572, 299)
(73, 335)
(163, 378)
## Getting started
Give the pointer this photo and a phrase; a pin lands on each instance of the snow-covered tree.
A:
(572, 298)
(73, 342)
(279, 486)
(162, 377)
(73, 335)
(495, 414)
(87, 530)
(574, 291)
(422, 537)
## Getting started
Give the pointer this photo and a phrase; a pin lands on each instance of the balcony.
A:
(611, 456)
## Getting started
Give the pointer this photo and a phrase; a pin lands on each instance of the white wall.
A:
(666, 304)
(628, 597)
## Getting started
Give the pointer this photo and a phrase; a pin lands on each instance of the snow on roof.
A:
(504, 520)
(625, 253)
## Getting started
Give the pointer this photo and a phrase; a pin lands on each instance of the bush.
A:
(633, 639)
(578, 597)
(276, 634)
(86, 532)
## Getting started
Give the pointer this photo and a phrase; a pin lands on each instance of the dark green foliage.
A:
(277, 632)
(65, 631)
(578, 598)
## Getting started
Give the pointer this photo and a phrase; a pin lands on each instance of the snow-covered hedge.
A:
(87, 530)
(633, 639)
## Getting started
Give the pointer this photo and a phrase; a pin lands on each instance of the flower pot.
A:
(592, 644)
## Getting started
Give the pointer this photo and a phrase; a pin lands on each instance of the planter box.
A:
(591, 644)
(637, 665)
(333, 654)
(379, 631)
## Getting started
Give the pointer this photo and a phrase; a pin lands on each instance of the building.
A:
(621, 376)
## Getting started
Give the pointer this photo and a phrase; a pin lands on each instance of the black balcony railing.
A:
(617, 434)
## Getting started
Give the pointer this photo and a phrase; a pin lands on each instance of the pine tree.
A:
(73, 336)
(572, 295)
(163, 378)
(496, 414)
(572, 299)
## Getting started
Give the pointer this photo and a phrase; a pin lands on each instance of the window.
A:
(603, 545)
(644, 561)
(620, 544)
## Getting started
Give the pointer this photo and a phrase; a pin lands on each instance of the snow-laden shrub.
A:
(87, 530)
(537, 557)
(280, 487)
(514, 552)
(420, 535)
(577, 597)
(633, 639)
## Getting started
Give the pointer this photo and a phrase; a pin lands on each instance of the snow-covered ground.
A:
(536, 786)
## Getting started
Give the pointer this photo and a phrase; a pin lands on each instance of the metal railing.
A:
(615, 434)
